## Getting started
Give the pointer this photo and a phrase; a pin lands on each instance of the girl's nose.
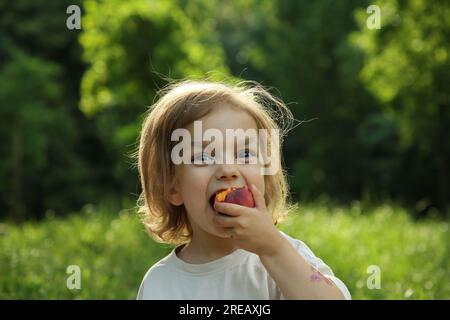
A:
(227, 172)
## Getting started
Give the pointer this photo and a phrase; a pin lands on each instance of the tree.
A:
(407, 69)
(46, 141)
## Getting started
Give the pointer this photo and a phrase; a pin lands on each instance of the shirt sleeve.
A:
(318, 264)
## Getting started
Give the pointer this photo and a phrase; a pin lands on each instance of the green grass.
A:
(114, 252)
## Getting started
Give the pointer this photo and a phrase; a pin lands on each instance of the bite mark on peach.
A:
(241, 196)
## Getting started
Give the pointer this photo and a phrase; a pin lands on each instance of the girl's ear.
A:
(174, 196)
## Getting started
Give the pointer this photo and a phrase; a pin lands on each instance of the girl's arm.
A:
(296, 278)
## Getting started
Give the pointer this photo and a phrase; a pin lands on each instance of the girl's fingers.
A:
(260, 202)
(228, 208)
(227, 222)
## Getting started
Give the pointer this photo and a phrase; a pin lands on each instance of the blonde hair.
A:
(179, 105)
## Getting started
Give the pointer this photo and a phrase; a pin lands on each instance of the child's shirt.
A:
(239, 275)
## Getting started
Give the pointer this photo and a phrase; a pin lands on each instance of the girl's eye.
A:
(202, 158)
(246, 154)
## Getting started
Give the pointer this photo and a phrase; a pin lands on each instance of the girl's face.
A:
(197, 183)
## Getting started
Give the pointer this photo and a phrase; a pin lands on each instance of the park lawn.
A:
(114, 252)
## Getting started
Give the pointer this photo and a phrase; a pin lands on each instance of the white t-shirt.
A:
(237, 276)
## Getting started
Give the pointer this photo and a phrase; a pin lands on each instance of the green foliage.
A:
(114, 252)
(46, 146)
(38, 136)
(407, 68)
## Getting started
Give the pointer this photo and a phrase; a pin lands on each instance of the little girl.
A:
(224, 250)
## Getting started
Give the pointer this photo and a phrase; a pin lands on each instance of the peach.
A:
(241, 196)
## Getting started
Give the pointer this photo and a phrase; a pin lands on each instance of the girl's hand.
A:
(252, 229)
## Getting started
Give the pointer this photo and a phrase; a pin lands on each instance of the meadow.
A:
(113, 252)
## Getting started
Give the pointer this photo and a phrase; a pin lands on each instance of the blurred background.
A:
(369, 166)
